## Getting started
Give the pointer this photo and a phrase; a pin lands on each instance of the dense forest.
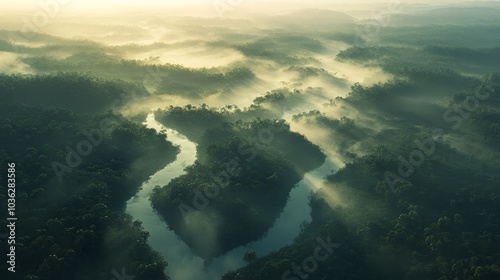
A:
(421, 207)
(244, 172)
(255, 141)
(75, 170)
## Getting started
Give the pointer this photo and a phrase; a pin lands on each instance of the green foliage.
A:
(250, 166)
(440, 222)
(282, 48)
(76, 228)
(250, 257)
(66, 90)
(163, 78)
(458, 34)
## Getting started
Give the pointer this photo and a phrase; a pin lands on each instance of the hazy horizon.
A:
(207, 6)
(250, 140)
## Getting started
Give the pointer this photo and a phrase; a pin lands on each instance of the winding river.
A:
(183, 264)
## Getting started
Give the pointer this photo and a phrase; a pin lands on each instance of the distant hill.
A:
(310, 18)
(449, 15)
(321, 15)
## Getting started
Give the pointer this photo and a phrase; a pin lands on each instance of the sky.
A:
(108, 3)
(205, 8)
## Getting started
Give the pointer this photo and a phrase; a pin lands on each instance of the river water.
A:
(183, 264)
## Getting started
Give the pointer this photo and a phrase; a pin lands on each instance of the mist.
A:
(273, 123)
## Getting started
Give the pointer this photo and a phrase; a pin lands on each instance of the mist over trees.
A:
(244, 172)
(72, 213)
(401, 101)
